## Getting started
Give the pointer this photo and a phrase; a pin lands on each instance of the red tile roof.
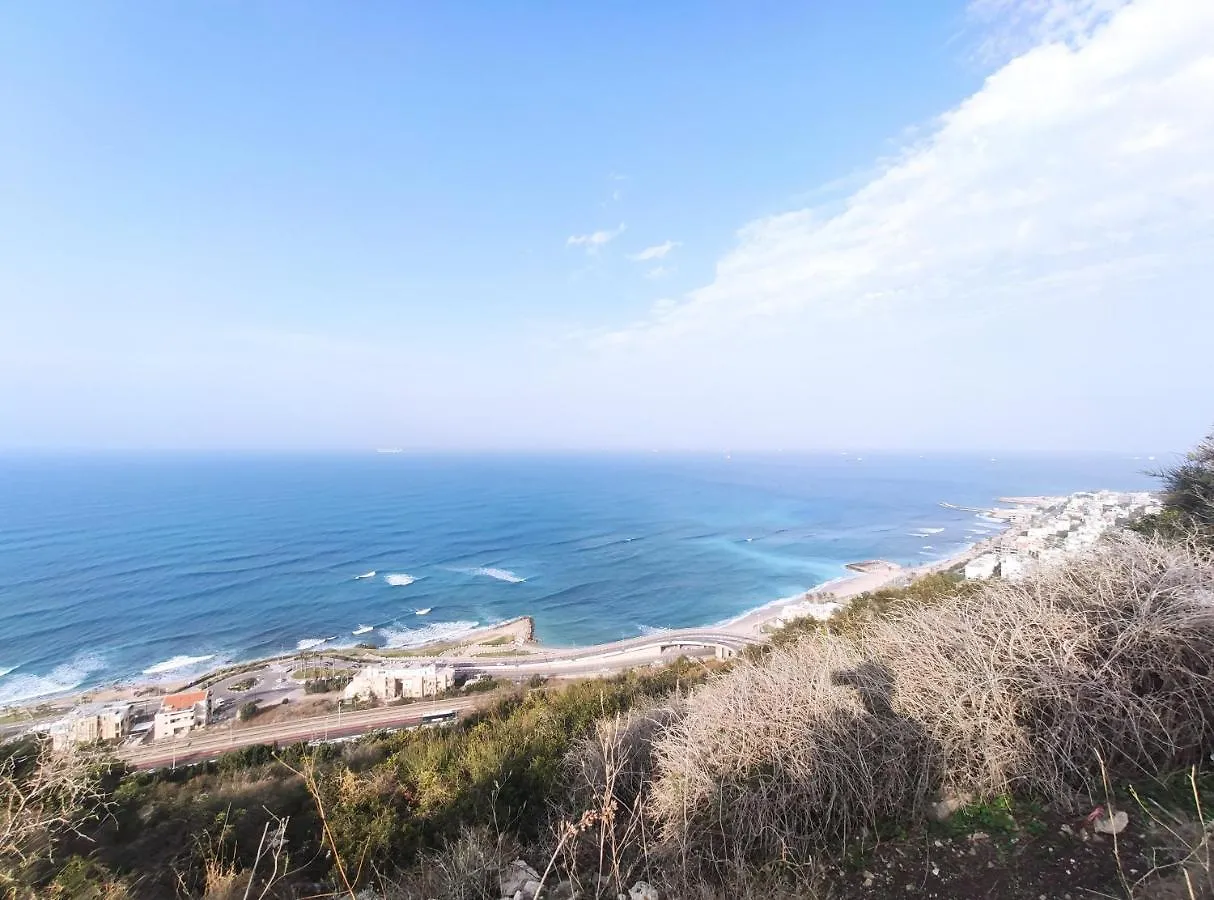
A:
(184, 700)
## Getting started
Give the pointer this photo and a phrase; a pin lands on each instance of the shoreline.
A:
(517, 635)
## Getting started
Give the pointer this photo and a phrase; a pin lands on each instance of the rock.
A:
(527, 891)
(1111, 823)
(643, 890)
(515, 878)
(949, 805)
(563, 890)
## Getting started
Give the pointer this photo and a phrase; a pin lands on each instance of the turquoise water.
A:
(115, 568)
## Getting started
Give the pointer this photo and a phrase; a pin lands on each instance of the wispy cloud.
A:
(658, 272)
(1083, 162)
(657, 251)
(596, 240)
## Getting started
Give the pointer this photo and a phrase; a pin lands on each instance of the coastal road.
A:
(213, 742)
(615, 656)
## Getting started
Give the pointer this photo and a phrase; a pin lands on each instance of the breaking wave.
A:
(401, 636)
(177, 662)
(925, 532)
(312, 643)
(4, 670)
(61, 679)
(649, 630)
(400, 579)
(500, 574)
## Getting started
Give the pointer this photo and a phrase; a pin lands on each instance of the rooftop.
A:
(183, 700)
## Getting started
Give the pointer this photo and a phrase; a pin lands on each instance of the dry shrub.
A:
(783, 755)
(1022, 686)
(601, 829)
(1029, 685)
(466, 868)
(617, 759)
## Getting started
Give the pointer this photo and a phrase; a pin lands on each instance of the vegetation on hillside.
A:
(1188, 497)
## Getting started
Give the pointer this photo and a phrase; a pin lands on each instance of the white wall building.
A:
(382, 683)
(181, 713)
(981, 566)
(89, 724)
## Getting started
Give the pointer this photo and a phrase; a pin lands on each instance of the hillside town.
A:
(1047, 530)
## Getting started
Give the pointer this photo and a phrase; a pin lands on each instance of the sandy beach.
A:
(823, 600)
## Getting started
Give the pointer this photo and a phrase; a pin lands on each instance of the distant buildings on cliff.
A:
(1045, 530)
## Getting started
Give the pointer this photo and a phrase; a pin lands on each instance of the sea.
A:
(137, 568)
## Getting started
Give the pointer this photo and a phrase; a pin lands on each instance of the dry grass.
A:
(1021, 687)
(1028, 685)
(782, 756)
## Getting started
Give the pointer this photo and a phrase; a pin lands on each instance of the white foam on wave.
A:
(177, 662)
(4, 670)
(649, 630)
(312, 643)
(925, 532)
(500, 574)
(401, 636)
(400, 579)
(61, 679)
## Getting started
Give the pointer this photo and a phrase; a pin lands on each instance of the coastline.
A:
(516, 637)
(828, 596)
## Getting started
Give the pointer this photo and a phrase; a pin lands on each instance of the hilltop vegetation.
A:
(948, 739)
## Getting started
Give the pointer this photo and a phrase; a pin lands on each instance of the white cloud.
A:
(594, 241)
(1084, 165)
(658, 272)
(657, 251)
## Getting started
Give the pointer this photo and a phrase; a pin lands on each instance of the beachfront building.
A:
(181, 713)
(981, 566)
(89, 724)
(381, 683)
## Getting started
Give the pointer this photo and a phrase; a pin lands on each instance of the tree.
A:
(1188, 495)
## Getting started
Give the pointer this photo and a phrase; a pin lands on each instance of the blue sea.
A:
(118, 568)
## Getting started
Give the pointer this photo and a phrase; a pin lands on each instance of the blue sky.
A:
(531, 226)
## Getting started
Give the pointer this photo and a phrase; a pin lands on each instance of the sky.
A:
(924, 225)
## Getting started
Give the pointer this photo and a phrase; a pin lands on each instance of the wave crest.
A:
(177, 662)
(400, 579)
(313, 643)
(500, 574)
(402, 636)
(63, 678)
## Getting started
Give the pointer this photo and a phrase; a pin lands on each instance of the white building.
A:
(89, 724)
(181, 713)
(1011, 567)
(381, 683)
(981, 566)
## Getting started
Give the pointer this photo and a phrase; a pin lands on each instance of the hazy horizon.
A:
(982, 227)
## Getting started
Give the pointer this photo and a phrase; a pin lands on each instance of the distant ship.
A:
(363, 629)
(370, 574)
(425, 611)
